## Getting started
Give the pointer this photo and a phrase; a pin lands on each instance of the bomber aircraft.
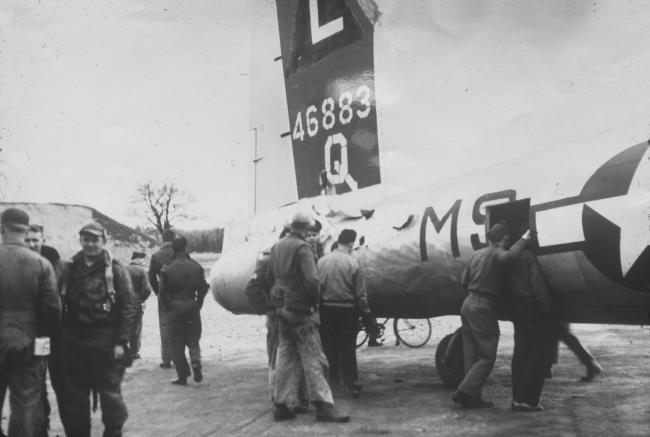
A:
(419, 123)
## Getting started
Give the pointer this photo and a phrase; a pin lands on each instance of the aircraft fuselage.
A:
(592, 231)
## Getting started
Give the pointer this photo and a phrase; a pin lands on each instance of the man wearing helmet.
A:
(294, 297)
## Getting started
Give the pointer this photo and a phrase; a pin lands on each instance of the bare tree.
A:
(162, 204)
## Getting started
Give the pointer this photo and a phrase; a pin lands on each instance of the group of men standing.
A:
(84, 318)
(80, 317)
(313, 304)
(500, 276)
(90, 310)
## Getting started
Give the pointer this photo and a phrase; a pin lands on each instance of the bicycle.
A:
(413, 333)
(362, 335)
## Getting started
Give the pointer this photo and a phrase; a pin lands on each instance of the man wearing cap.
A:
(99, 308)
(182, 291)
(295, 298)
(343, 300)
(158, 260)
(29, 308)
(142, 290)
(485, 280)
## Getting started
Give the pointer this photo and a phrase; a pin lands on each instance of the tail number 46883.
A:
(328, 116)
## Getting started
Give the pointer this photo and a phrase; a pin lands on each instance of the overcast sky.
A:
(96, 97)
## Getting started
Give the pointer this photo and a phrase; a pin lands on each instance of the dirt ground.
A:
(402, 395)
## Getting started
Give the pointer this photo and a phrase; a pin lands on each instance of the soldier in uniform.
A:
(158, 261)
(99, 309)
(258, 291)
(29, 308)
(142, 290)
(530, 299)
(182, 291)
(344, 300)
(36, 241)
(295, 298)
(485, 281)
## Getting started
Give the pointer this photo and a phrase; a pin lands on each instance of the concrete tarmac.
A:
(402, 394)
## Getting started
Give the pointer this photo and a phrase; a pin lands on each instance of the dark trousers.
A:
(56, 377)
(531, 358)
(46, 407)
(86, 368)
(184, 323)
(135, 340)
(339, 328)
(24, 374)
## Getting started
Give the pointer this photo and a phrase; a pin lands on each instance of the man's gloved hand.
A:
(374, 330)
(372, 327)
(122, 354)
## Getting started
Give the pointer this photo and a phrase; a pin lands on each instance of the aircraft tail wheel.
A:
(449, 359)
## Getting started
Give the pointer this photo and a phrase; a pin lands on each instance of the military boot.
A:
(325, 412)
(282, 412)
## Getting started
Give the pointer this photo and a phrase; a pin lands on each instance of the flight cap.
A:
(15, 218)
(497, 232)
(347, 236)
(93, 228)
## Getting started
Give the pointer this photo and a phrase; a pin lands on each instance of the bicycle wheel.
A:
(362, 337)
(412, 332)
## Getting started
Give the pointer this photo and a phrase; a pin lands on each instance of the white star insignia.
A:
(631, 213)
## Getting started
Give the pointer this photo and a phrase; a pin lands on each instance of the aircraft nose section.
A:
(228, 279)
